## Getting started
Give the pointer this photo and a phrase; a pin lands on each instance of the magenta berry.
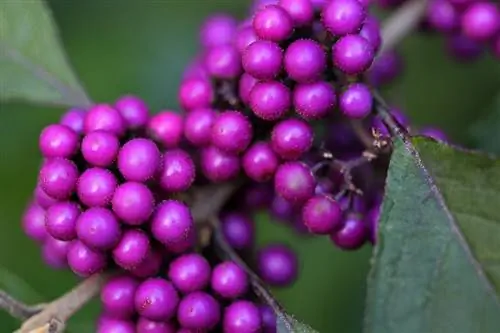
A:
(371, 32)
(133, 203)
(244, 37)
(356, 101)
(301, 11)
(322, 215)
(55, 252)
(166, 128)
(98, 228)
(156, 299)
(177, 171)
(145, 325)
(198, 311)
(106, 118)
(219, 166)
(42, 199)
(134, 111)
(73, 118)
(481, 21)
(84, 261)
(58, 141)
(58, 178)
(148, 267)
(353, 54)
(242, 316)
(270, 100)
(305, 60)
(100, 148)
(132, 249)
(277, 265)
(218, 30)
(245, 86)
(314, 100)
(294, 181)
(260, 162)
(139, 160)
(263, 59)
(112, 325)
(291, 138)
(238, 230)
(268, 318)
(198, 126)
(33, 222)
(352, 234)
(189, 273)
(117, 297)
(96, 187)
(223, 62)
(229, 280)
(60, 220)
(231, 132)
(195, 93)
(273, 23)
(442, 15)
(343, 17)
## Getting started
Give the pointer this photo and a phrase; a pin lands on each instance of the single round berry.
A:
(173, 226)
(84, 261)
(150, 266)
(112, 325)
(343, 17)
(106, 118)
(223, 62)
(96, 187)
(463, 48)
(117, 296)
(219, 166)
(305, 60)
(260, 4)
(260, 162)
(352, 54)
(139, 160)
(356, 101)
(273, 23)
(55, 252)
(33, 221)
(98, 228)
(73, 118)
(434, 133)
(229, 280)
(277, 265)
(322, 214)
(58, 178)
(198, 311)
(58, 141)
(145, 325)
(195, 93)
(238, 230)
(198, 126)
(245, 86)
(189, 273)
(218, 30)
(481, 21)
(134, 111)
(195, 70)
(268, 318)
(244, 37)
(371, 32)
(314, 100)
(60, 220)
(133, 203)
(294, 181)
(291, 138)
(270, 100)
(166, 128)
(385, 68)
(156, 299)
(301, 11)
(132, 249)
(231, 132)
(42, 199)
(263, 59)
(442, 15)
(100, 148)
(352, 234)
(242, 316)
(282, 209)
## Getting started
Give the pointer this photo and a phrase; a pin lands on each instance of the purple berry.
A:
(73, 118)
(322, 215)
(352, 234)
(463, 48)
(385, 68)
(442, 15)
(263, 59)
(277, 265)
(268, 318)
(273, 23)
(189, 273)
(42, 199)
(353, 54)
(150, 266)
(54, 252)
(223, 62)
(96, 187)
(343, 17)
(238, 230)
(156, 299)
(132, 249)
(100, 148)
(139, 160)
(195, 93)
(244, 37)
(260, 162)
(98, 228)
(371, 32)
(58, 178)
(83, 261)
(242, 317)
(106, 118)
(198, 311)
(145, 325)
(270, 100)
(231, 132)
(134, 111)
(246, 84)
(173, 226)
(356, 101)
(177, 171)
(133, 203)
(112, 325)
(34, 222)
(229, 280)
(58, 141)
(117, 296)
(218, 30)
(305, 60)
(198, 126)
(294, 181)
(282, 209)
(166, 128)
(291, 138)
(301, 11)
(314, 100)
(434, 133)
(60, 220)
(481, 21)
(219, 166)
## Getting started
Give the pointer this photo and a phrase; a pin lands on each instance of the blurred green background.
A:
(141, 47)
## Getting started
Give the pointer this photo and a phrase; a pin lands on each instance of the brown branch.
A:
(16, 308)
(346, 168)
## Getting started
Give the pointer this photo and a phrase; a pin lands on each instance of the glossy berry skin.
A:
(60, 220)
(195, 93)
(111, 325)
(322, 215)
(229, 280)
(145, 325)
(156, 299)
(177, 171)
(260, 162)
(238, 230)
(83, 261)
(352, 54)
(98, 228)
(301, 11)
(481, 21)
(198, 311)
(106, 118)
(219, 166)
(273, 23)
(242, 316)
(173, 226)
(371, 31)
(314, 100)
(96, 187)
(223, 62)
(117, 297)
(189, 273)
(100, 148)
(73, 118)
(291, 138)
(166, 128)
(342, 17)
(33, 222)
(231, 132)
(42, 199)
(132, 249)
(270, 100)
(245, 86)
(133, 203)
(305, 60)
(352, 234)
(198, 126)
(263, 59)
(58, 178)
(134, 111)
(294, 181)
(244, 37)
(150, 266)
(277, 265)
(58, 141)
(139, 160)
(217, 30)
(54, 252)
(356, 101)
(442, 15)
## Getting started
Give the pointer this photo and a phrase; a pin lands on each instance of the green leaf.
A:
(436, 266)
(291, 325)
(33, 64)
(18, 287)
(484, 133)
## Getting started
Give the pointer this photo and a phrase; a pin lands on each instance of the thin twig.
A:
(346, 168)
(16, 308)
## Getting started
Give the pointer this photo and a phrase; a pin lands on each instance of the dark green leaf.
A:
(290, 325)
(485, 132)
(33, 65)
(436, 266)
